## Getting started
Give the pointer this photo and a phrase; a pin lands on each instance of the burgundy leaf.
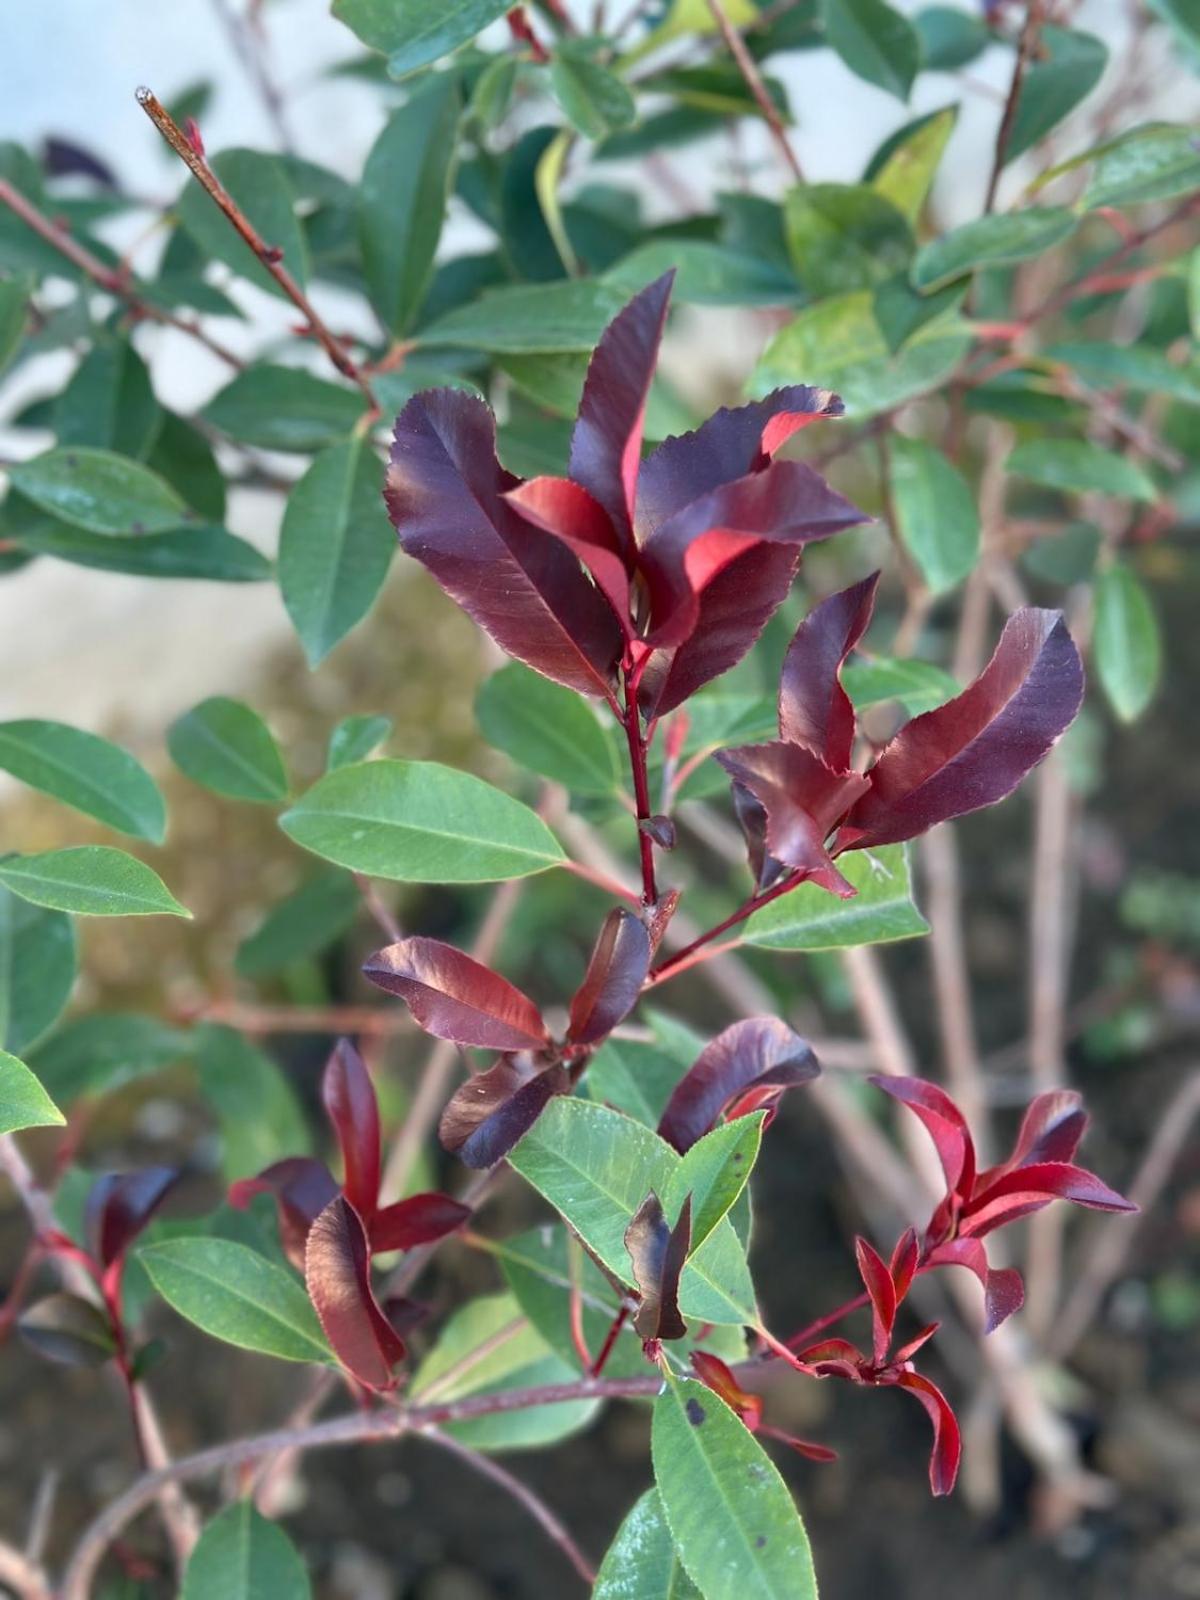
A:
(119, 1205)
(757, 1053)
(420, 1219)
(62, 158)
(1051, 1129)
(349, 1097)
(562, 508)
(727, 446)
(1030, 1188)
(752, 820)
(976, 748)
(445, 494)
(337, 1271)
(803, 799)
(492, 1110)
(944, 1123)
(720, 1378)
(947, 1441)
(455, 997)
(606, 446)
(302, 1188)
(814, 709)
(907, 1351)
(403, 1314)
(69, 1329)
(615, 974)
(881, 1291)
(1003, 1290)
(906, 1258)
(803, 1447)
(658, 1253)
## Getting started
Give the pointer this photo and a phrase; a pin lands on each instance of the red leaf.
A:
(606, 446)
(944, 1123)
(976, 748)
(947, 1441)
(349, 1097)
(906, 1258)
(302, 1189)
(568, 512)
(803, 1447)
(1051, 1129)
(445, 493)
(455, 997)
(814, 709)
(615, 974)
(337, 1271)
(1030, 1188)
(720, 1378)
(760, 1052)
(658, 1253)
(803, 799)
(1003, 1290)
(882, 1293)
(420, 1219)
(119, 1205)
(492, 1110)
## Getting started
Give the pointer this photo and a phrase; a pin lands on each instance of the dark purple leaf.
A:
(658, 1253)
(302, 1188)
(404, 1314)
(1027, 1189)
(615, 974)
(68, 1329)
(976, 748)
(944, 1123)
(119, 1205)
(337, 1271)
(758, 1053)
(881, 1291)
(420, 1219)
(445, 493)
(62, 158)
(455, 997)
(492, 1110)
(947, 1441)
(568, 512)
(349, 1097)
(752, 820)
(814, 709)
(1051, 1129)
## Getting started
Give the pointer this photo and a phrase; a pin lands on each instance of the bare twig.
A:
(245, 35)
(23, 1576)
(1026, 46)
(951, 981)
(748, 68)
(375, 1021)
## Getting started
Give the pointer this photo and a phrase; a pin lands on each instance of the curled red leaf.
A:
(615, 974)
(349, 1098)
(337, 1272)
(760, 1053)
(814, 709)
(492, 1110)
(119, 1205)
(302, 1188)
(947, 1440)
(419, 1219)
(658, 1253)
(453, 996)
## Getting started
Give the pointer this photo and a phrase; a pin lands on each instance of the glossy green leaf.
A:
(92, 880)
(592, 97)
(259, 1116)
(109, 402)
(917, 685)
(301, 926)
(414, 33)
(1158, 161)
(402, 200)
(992, 241)
(682, 17)
(595, 1167)
(242, 1556)
(1102, 365)
(193, 552)
(420, 822)
(714, 1172)
(99, 491)
(284, 408)
(85, 772)
(23, 1101)
(1064, 554)
(950, 38)
(707, 274)
(877, 43)
(183, 456)
(731, 1515)
(1080, 467)
(936, 515)
(809, 919)
(259, 184)
(844, 236)
(355, 738)
(530, 317)
(96, 1054)
(335, 546)
(14, 310)
(634, 1076)
(548, 729)
(1068, 67)
(904, 167)
(642, 1562)
(224, 746)
(38, 967)
(237, 1295)
(1125, 642)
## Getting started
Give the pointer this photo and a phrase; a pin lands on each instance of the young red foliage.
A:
(750, 1065)
(453, 996)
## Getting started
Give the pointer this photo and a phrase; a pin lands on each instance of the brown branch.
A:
(245, 35)
(1026, 46)
(748, 68)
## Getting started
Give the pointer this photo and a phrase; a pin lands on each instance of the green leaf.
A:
(936, 516)
(548, 729)
(420, 822)
(691, 16)
(1125, 366)
(707, 274)
(355, 738)
(1068, 67)
(1158, 161)
(530, 317)
(92, 880)
(839, 345)
(714, 1172)
(259, 184)
(335, 546)
(38, 967)
(85, 772)
(224, 746)
(903, 169)
(1064, 554)
(635, 1077)
(99, 491)
(1126, 643)
(809, 919)
(301, 926)
(284, 408)
(488, 1347)
(875, 42)
(14, 310)
(23, 1101)
(596, 1167)
(730, 1513)
(196, 552)
(593, 99)
(402, 200)
(642, 1562)
(1080, 467)
(259, 1115)
(844, 236)
(237, 1295)
(949, 38)
(414, 33)
(918, 685)
(184, 457)
(242, 1556)
(100, 1053)
(991, 241)
(109, 402)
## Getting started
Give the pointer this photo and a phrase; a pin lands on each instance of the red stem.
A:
(610, 1339)
(807, 1334)
(641, 785)
(748, 907)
